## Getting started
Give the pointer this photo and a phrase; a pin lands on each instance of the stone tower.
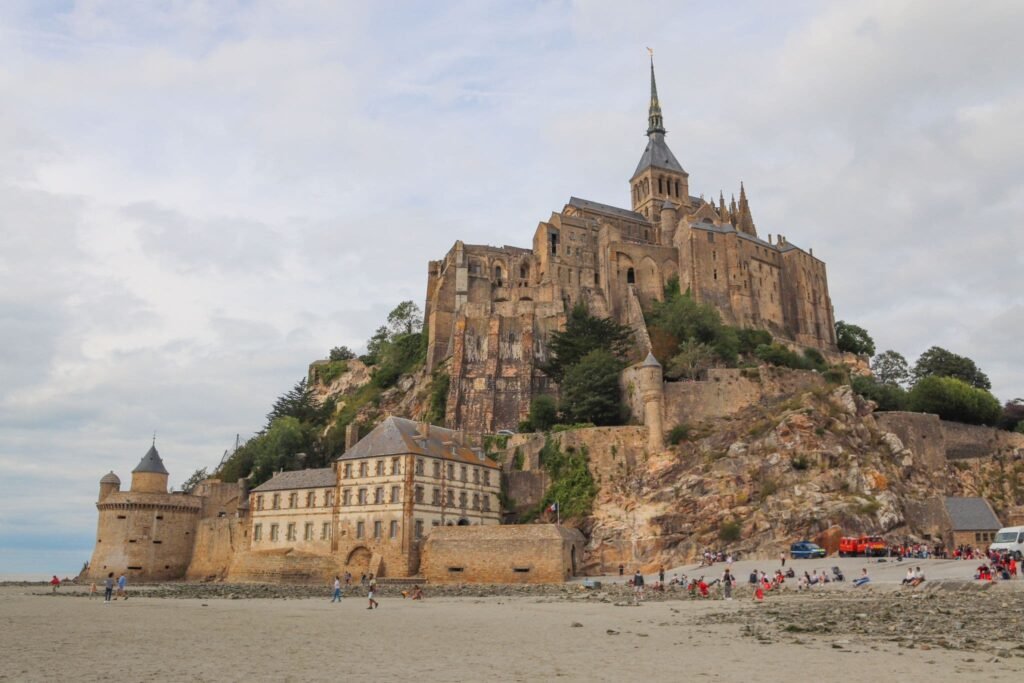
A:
(150, 475)
(658, 176)
(144, 532)
(653, 396)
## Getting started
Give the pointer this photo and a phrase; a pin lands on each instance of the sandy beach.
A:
(543, 637)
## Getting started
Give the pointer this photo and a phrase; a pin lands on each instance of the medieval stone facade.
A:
(369, 512)
(491, 309)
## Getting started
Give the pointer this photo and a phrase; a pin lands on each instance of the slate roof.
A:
(398, 436)
(971, 514)
(323, 477)
(605, 208)
(110, 478)
(151, 462)
(657, 154)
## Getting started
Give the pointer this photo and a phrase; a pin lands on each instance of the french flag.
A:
(553, 507)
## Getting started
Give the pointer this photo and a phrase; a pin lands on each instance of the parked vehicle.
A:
(871, 546)
(805, 550)
(848, 546)
(1011, 540)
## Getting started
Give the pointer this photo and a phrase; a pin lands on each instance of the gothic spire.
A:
(654, 122)
(745, 222)
(723, 212)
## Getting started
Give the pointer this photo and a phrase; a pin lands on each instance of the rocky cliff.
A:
(804, 466)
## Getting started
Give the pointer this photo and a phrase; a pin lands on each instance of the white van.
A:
(1010, 539)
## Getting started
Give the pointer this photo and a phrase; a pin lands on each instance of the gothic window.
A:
(661, 189)
(630, 276)
(677, 188)
(497, 275)
(524, 272)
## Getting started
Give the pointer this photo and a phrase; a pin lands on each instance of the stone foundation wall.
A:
(284, 566)
(218, 541)
(975, 441)
(532, 553)
(934, 441)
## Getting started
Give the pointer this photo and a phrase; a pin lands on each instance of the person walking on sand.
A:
(55, 582)
(337, 589)
(782, 559)
(108, 588)
(373, 589)
(638, 586)
(727, 584)
(92, 590)
(122, 584)
(661, 575)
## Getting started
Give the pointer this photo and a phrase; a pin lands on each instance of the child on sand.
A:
(92, 590)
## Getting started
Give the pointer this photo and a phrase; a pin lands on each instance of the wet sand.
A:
(443, 639)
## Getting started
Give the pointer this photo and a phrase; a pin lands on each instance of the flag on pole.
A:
(553, 507)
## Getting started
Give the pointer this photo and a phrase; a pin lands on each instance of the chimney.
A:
(351, 435)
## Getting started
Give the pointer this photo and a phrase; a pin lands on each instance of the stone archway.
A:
(358, 561)
(463, 522)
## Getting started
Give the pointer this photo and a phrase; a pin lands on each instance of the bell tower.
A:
(658, 177)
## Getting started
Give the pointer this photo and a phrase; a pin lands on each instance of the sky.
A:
(198, 199)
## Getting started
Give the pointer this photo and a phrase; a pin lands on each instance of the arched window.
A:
(524, 272)
(497, 275)
(630, 276)
(661, 189)
(677, 188)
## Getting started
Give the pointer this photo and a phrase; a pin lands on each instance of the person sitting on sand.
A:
(417, 593)
(863, 579)
(918, 577)
(909, 578)
(983, 573)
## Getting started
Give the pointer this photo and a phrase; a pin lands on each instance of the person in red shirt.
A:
(55, 582)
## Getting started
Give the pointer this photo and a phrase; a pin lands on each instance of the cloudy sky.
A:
(199, 198)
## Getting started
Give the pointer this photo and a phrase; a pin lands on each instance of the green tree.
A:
(887, 396)
(890, 367)
(543, 413)
(750, 339)
(953, 399)
(341, 353)
(585, 333)
(1013, 415)
(406, 318)
(439, 386)
(375, 345)
(938, 362)
(298, 403)
(279, 447)
(194, 479)
(681, 318)
(854, 339)
(590, 389)
(692, 360)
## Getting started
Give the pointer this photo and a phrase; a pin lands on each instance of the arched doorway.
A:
(358, 560)
(463, 522)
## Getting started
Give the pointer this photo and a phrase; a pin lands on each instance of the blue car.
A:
(805, 550)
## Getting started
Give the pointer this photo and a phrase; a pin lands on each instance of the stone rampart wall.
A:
(532, 553)
(218, 540)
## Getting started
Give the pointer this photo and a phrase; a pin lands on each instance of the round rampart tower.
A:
(145, 532)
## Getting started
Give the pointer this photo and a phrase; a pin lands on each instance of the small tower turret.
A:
(744, 221)
(110, 483)
(669, 218)
(652, 394)
(150, 475)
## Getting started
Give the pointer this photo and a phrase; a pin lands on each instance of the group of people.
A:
(109, 584)
(1000, 566)
(914, 577)
(370, 582)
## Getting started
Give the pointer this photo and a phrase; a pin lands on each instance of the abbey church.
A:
(491, 309)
